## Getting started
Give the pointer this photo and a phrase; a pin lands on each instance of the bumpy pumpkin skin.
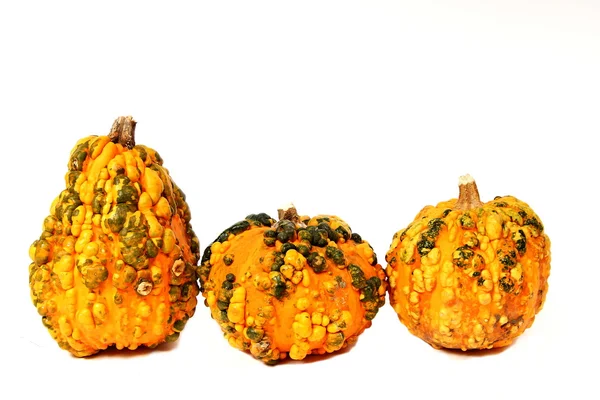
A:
(291, 289)
(470, 278)
(115, 264)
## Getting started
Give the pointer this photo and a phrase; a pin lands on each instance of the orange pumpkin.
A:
(292, 287)
(467, 274)
(115, 263)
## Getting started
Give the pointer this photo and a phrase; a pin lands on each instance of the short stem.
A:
(468, 195)
(289, 213)
(123, 132)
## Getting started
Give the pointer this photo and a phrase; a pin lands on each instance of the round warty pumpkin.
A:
(291, 287)
(469, 275)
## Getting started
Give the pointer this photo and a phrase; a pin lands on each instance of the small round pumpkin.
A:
(115, 263)
(469, 275)
(292, 287)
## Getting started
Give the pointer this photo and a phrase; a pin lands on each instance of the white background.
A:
(365, 109)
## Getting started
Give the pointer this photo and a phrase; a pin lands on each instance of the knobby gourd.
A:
(469, 275)
(292, 287)
(115, 263)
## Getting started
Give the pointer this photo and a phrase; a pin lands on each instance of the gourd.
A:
(467, 274)
(292, 287)
(115, 262)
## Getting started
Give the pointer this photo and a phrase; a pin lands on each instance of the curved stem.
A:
(123, 132)
(468, 195)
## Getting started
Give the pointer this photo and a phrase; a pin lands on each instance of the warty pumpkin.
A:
(115, 263)
(467, 274)
(292, 287)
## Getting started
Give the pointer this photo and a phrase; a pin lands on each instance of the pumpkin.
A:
(467, 274)
(292, 287)
(115, 262)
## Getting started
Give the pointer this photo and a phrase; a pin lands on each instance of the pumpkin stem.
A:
(468, 195)
(289, 213)
(123, 132)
